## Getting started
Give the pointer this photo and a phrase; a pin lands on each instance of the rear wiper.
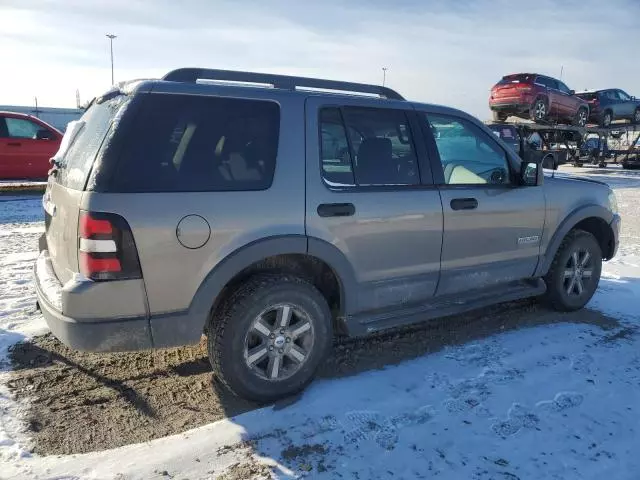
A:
(55, 166)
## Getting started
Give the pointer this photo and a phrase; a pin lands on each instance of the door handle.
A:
(336, 209)
(13, 144)
(464, 204)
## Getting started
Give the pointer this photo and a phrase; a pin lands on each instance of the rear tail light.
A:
(106, 249)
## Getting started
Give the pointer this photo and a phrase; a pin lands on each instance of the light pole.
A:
(111, 36)
(384, 75)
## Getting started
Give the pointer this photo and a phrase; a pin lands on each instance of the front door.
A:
(371, 200)
(492, 226)
(25, 156)
(626, 106)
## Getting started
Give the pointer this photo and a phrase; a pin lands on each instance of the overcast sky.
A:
(449, 51)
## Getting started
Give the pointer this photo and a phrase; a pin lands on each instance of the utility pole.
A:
(384, 75)
(561, 71)
(111, 36)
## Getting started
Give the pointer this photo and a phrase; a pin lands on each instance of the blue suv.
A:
(611, 104)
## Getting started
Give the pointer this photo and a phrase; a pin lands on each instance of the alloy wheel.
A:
(636, 116)
(607, 119)
(582, 118)
(578, 273)
(279, 342)
(540, 110)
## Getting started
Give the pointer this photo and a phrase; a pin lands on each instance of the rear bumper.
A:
(102, 335)
(110, 331)
(509, 107)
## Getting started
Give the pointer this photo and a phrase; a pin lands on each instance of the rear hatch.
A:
(73, 162)
(512, 86)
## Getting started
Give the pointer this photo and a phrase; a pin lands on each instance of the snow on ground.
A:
(560, 400)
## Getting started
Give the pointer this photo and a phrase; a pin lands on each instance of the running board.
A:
(370, 322)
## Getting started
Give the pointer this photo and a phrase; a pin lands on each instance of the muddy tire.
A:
(268, 338)
(539, 110)
(575, 272)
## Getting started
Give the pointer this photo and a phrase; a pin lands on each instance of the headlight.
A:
(613, 202)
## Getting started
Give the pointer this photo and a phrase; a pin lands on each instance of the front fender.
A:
(570, 221)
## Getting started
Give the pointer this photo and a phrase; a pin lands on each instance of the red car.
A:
(538, 97)
(26, 145)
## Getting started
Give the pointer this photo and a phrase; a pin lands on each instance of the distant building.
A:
(58, 117)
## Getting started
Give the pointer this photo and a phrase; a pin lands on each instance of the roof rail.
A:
(191, 75)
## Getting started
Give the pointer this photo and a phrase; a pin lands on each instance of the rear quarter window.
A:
(87, 139)
(188, 143)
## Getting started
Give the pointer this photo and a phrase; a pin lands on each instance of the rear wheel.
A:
(499, 116)
(607, 118)
(581, 117)
(575, 272)
(539, 110)
(269, 337)
(636, 117)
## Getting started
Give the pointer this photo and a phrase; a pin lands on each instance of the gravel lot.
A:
(81, 402)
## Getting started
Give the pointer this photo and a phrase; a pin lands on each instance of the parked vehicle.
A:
(611, 104)
(26, 145)
(271, 219)
(538, 97)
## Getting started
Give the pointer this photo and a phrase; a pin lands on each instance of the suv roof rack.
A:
(285, 82)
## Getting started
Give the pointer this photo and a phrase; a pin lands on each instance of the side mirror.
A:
(572, 92)
(44, 135)
(529, 174)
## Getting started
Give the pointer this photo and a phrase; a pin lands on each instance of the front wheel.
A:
(269, 337)
(575, 272)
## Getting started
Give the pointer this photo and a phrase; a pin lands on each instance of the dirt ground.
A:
(82, 402)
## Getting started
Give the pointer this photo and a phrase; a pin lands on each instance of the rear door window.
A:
(84, 142)
(182, 143)
(367, 146)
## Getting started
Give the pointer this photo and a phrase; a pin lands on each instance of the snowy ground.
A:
(559, 400)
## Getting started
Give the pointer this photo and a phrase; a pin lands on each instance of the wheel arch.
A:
(594, 219)
(323, 264)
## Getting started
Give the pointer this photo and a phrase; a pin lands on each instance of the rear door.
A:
(63, 195)
(570, 103)
(492, 226)
(551, 90)
(370, 195)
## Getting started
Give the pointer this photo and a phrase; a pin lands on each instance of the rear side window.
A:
(183, 143)
(367, 146)
(88, 135)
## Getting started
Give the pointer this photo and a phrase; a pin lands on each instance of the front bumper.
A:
(90, 334)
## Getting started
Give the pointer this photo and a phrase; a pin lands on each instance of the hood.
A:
(572, 179)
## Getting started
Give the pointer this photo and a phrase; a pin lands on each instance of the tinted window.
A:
(85, 139)
(611, 95)
(563, 88)
(193, 143)
(547, 82)
(334, 149)
(379, 149)
(468, 154)
(517, 78)
(21, 128)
